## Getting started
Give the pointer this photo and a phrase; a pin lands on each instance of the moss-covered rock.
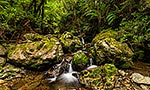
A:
(108, 50)
(70, 42)
(80, 60)
(10, 71)
(37, 53)
(105, 34)
(100, 77)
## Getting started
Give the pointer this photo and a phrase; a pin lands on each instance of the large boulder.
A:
(99, 78)
(108, 50)
(36, 52)
(70, 42)
(108, 77)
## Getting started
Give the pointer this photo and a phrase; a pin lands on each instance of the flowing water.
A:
(70, 67)
(82, 40)
(68, 80)
(91, 64)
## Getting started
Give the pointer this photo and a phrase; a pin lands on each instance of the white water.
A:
(53, 79)
(82, 40)
(70, 68)
(69, 78)
(91, 64)
(91, 61)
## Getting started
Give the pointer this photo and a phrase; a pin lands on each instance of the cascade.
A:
(69, 77)
(91, 64)
(53, 73)
(70, 67)
(82, 40)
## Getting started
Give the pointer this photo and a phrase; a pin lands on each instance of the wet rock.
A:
(99, 78)
(2, 51)
(30, 81)
(140, 79)
(36, 53)
(108, 50)
(108, 77)
(70, 42)
(2, 61)
(80, 60)
(9, 71)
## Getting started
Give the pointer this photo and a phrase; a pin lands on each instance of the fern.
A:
(110, 18)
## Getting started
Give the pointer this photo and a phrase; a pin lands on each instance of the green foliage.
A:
(84, 18)
(9, 14)
(136, 33)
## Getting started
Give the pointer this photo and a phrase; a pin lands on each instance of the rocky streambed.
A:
(29, 65)
(135, 79)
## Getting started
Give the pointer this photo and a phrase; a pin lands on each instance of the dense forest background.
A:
(84, 18)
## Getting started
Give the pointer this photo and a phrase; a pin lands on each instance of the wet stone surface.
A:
(33, 80)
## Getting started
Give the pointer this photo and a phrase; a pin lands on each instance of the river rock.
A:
(10, 71)
(108, 50)
(36, 52)
(70, 42)
(140, 79)
(2, 50)
(99, 78)
(80, 60)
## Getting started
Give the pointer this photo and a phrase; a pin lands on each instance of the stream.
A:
(32, 80)
(63, 76)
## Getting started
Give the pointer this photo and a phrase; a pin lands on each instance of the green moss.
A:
(95, 72)
(110, 69)
(108, 83)
(70, 42)
(105, 34)
(66, 39)
(96, 82)
(80, 58)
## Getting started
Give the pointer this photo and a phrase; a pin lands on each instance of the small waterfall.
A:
(70, 67)
(69, 78)
(53, 73)
(91, 64)
(91, 61)
(82, 40)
